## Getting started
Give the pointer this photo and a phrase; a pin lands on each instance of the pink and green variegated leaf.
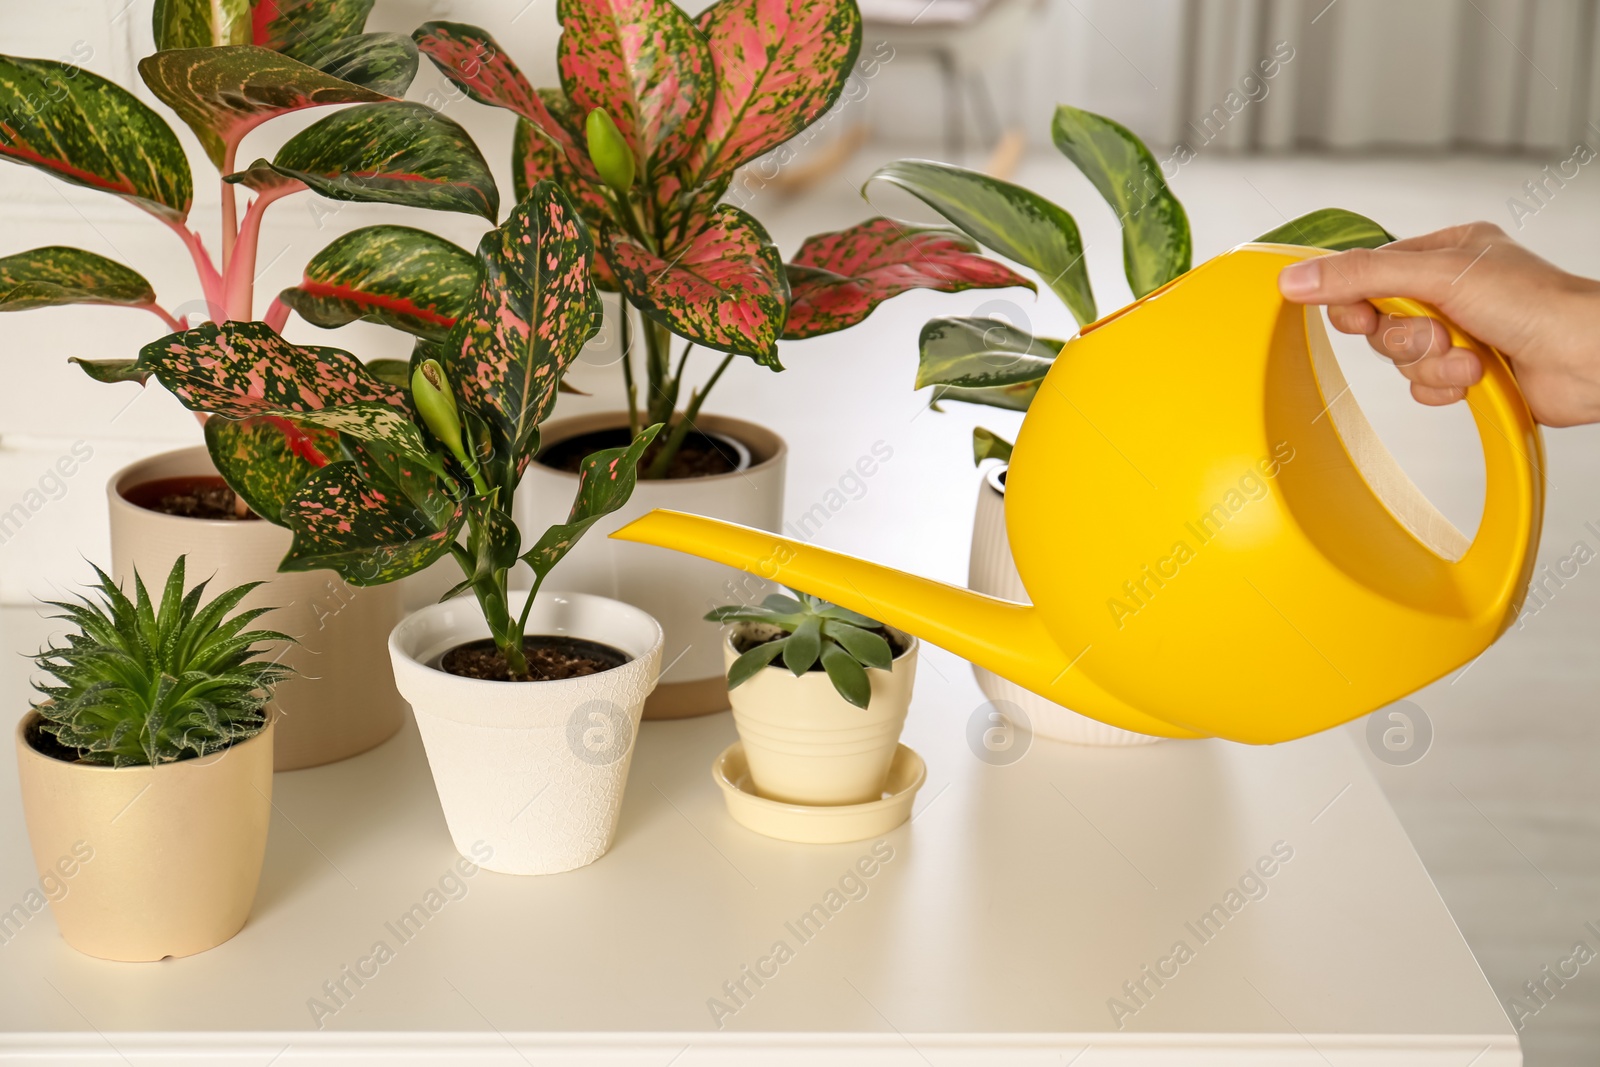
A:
(392, 153)
(49, 277)
(647, 64)
(368, 532)
(724, 289)
(243, 369)
(534, 310)
(307, 29)
(86, 130)
(395, 275)
(537, 158)
(224, 93)
(201, 23)
(265, 459)
(837, 279)
(605, 482)
(780, 65)
(369, 421)
(474, 60)
(387, 469)
(260, 177)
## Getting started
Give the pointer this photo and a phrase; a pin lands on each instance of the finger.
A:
(1436, 398)
(1455, 369)
(1359, 318)
(1367, 274)
(1470, 233)
(1407, 341)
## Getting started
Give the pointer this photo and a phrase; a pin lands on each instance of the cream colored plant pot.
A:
(343, 701)
(678, 590)
(532, 770)
(805, 744)
(991, 570)
(150, 861)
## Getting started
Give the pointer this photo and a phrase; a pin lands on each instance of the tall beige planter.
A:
(991, 570)
(343, 700)
(154, 861)
(806, 744)
(677, 590)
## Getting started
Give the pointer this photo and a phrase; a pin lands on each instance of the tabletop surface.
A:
(1273, 887)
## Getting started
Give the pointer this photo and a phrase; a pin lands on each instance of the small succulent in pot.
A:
(142, 683)
(808, 633)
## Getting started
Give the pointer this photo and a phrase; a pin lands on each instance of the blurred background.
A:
(1418, 114)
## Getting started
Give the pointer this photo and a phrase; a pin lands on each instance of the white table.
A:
(1015, 905)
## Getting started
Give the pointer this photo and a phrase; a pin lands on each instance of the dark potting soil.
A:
(745, 642)
(197, 497)
(550, 657)
(699, 457)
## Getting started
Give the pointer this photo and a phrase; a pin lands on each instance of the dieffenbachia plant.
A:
(997, 363)
(388, 478)
(655, 114)
(225, 67)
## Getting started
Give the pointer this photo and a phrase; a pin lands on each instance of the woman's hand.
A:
(1545, 321)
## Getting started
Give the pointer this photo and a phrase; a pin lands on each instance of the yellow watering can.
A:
(1214, 540)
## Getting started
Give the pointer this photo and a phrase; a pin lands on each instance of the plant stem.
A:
(205, 270)
(277, 315)
(230, 207)
(239, 281)
(680, 429)
(165, 316)
(625, 312)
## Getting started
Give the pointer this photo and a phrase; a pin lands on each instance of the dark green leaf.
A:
(392, 153)
(383, 62)
(201, 23)
(112, 370)
(264, 460)
(493, 540)
(869, 648)
(848, 679)
(750, 663)
(1005, 218)
(1006, 397)
(397, 372)
(1330, 227)
(260, 177)
(804, 646)
(605, 482)
(976, 353)
(47, 277)
(401, 477)
(986, 444)
(224, 93)
(371, 420)
(343, 523)
(91, 132)
(308, 29)
(394, 275)
(1155, 230)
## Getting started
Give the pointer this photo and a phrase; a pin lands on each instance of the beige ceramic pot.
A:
(805, 744)
(343, 700)
(677, 590)
(152, 861)
(991, 570)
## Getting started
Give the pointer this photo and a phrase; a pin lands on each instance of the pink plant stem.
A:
(277, 315)
(210, 279)
(230, 207)
(239, 283)
(165, 316)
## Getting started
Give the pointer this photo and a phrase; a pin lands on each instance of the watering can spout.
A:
(1007, 638)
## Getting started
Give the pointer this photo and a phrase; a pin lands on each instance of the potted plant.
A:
(146, 772)
(999, 364)
(656, 113)
(527, 704)
(224, 69)
(819, 694)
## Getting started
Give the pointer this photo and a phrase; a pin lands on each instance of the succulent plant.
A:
(141, 683)
(816, 633)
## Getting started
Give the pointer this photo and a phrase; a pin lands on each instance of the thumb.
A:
(1366, 274)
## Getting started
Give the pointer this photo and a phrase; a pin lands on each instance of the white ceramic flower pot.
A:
(991, 570)
(342, 701)
(678, 590)
(533, 770)
(805, 744)
(150, 862)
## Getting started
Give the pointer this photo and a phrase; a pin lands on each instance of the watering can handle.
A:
(1497, 566)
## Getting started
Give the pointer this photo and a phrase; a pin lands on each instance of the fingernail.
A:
(1460, 370)
(1301, 279)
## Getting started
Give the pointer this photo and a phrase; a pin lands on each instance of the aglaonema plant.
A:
(225, 67)
(656, 112)
(1000, 364)
(414, 472)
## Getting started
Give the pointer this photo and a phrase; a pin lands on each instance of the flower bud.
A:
(436, 403)
(608, 149)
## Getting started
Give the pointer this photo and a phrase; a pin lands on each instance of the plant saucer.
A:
(818, 824)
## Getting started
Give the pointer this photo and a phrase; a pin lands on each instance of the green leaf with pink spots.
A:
(605, 482)
(402, 277)
(780, 65)
(265, 459)
(647, 64)
(723, 289)
(50, 277)
(837, 279)
(534, 309)
(369, 532)
(86, 130)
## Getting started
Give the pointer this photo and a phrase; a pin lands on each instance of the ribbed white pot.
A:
(341, 702)
(991, 570)
(533, 770)
(805, 744)
(677, 589)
